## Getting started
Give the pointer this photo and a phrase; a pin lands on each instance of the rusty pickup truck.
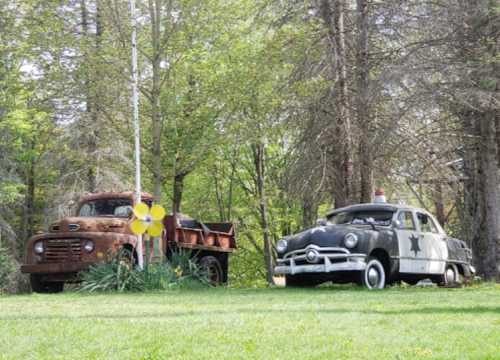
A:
(100, 228)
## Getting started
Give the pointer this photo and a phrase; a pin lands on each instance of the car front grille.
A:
(62, 250)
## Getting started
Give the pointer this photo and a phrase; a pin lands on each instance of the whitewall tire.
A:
(373, 277)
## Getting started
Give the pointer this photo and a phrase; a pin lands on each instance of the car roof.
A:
(373, 207)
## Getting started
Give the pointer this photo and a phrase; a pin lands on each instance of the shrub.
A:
(7, 270)
(115, 275)
(118, 274)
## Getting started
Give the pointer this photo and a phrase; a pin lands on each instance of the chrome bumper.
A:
(351, 262)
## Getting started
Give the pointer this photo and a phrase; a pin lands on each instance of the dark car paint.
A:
(333, 236)
(383, 238)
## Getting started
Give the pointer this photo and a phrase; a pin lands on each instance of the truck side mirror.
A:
(321, 222)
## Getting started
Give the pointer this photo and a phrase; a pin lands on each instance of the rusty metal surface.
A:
(64, 241)
(114, 195)
(69, 251)
(192, 234)
(55, 268)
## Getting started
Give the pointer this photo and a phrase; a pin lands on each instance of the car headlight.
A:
(281, 246)
(88, 245)
(38, 247)
(350, 240)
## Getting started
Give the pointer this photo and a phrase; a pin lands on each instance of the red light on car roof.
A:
(379, 196)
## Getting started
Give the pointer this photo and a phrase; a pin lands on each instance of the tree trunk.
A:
(362, 104)
(490, 180)
(29, 200)
(178, 191)
(259, 161)
(92, 89)
(341, 125)
(439, 203)
(156, 116)
(309, 212)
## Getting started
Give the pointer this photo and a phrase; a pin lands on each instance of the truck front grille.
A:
(62, 250)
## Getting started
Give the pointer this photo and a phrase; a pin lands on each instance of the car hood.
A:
(325, 236)
(91, 224)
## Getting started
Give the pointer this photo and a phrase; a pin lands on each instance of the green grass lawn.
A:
(322, 323)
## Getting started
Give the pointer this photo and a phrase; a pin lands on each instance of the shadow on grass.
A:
(251, 311)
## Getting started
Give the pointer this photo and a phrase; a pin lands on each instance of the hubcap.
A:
(373, 276)
(450, 276)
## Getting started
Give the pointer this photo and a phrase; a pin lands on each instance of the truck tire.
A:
(300, 281)
(213, 270)
(44, 287)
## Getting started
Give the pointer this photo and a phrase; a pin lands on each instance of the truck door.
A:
(411, 258)
(433, 243)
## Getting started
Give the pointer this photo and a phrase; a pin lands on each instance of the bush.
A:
(7, 271)
(119, 275)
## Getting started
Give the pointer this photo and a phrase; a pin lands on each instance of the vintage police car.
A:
(374, 245)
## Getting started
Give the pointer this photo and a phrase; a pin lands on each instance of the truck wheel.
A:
(213, 269)
(373, 277)
(129, 257)
(300, 281)
(44, 287)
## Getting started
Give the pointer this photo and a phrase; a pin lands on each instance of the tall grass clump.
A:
(119, 274)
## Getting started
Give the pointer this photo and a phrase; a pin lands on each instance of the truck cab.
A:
(100, 228)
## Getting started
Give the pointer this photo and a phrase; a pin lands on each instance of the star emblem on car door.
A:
(414, 244)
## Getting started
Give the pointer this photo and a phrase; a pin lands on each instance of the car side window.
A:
(406, 220)
(434, 228)
(426, 224)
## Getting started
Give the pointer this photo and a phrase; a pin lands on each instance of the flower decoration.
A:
(178, 271)
(148, 220)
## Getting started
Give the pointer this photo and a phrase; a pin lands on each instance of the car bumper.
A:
(54, 268)
(329, 260)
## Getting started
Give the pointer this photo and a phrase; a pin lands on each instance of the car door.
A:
(434, 241)
(411, 259)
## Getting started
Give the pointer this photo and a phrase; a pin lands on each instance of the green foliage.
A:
(7, 269)
(120, 275)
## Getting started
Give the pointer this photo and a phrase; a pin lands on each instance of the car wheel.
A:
(373, 277)
(451, 276)
(213, 269)
(300, 281)
(44, 287)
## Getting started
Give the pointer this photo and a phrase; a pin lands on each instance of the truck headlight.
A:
(281, 246)
(88, 246)
(350, 240)
(38, 247)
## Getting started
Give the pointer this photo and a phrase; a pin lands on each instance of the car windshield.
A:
(107, 207)
(378, 217)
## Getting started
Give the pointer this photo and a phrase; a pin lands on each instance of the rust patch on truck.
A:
(100, 228)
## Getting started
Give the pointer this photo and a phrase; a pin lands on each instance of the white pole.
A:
(137, 132)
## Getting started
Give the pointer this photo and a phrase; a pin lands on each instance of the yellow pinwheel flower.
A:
(148, 219)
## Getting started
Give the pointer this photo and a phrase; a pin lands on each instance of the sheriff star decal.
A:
(414, 244)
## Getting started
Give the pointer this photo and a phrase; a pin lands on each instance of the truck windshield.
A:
(379, 217)
(106, 207)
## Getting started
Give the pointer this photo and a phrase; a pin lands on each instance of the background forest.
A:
(262, 112)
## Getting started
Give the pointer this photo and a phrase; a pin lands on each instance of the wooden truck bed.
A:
(192, 234)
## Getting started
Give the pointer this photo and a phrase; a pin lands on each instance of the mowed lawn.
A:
(323, 323)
